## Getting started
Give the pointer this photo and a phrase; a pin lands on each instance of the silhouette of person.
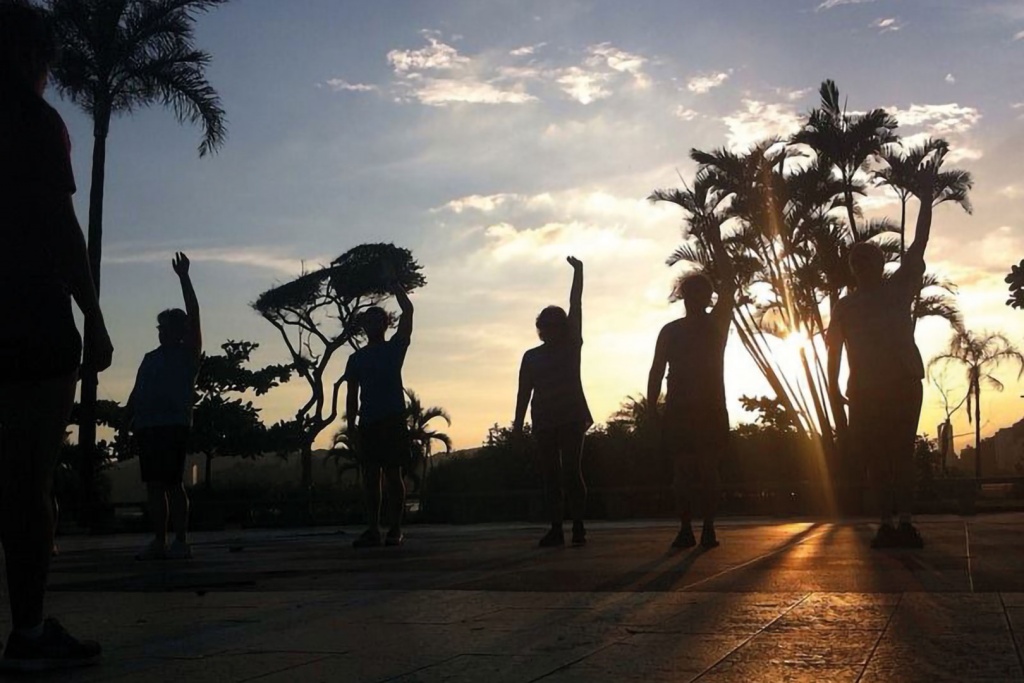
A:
(695, 426)
(376, 395)
(160, 409)
(43, 264)
(550, 376)
(874, 324)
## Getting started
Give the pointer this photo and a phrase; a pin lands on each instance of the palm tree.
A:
(421, 436)
(845, 141)
(117, 56)
(980, 355)
(344, 451)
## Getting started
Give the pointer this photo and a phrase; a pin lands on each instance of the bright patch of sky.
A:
(495, 140)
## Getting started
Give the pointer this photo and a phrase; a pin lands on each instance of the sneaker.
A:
(708, 539)
(886, 537)
(368, 539)
(154, 550)
(908, 536)
(579, 533)
(54, 649)
(685, 538)
(553, 538)
(178, 550)
(395, 537)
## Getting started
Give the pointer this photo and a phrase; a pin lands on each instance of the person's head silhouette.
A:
(867, 263)
(172, 326)
(26, 47)
(552, 324)
(374, 322)
(695, 290)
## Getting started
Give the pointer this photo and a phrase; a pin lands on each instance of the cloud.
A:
(794, 95)
(887, 24)
(619, 60)
(829, 4)
(950, 78)
(759, 120)
(440, 92)
(435, 56)
(552, 241)
(340, 84)
(437, 75)
(526, 50)
(478, 202)
(584, 86)
(938, 119)
(685, 114)
(269, 259)
(1019, 35)
(704, 84)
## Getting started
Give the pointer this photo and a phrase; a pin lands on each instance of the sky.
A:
(494, 138)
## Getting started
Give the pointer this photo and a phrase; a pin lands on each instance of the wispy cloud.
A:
(938, 119)
(619, 60)
(706, 83)
(526, 50)
(1019, 35)
(685, 114)
(254, 257)
(887, 24)
(340, 85)
(584, 86)
(477, 202)
(829, 4)
(950, 78)
(435, 56)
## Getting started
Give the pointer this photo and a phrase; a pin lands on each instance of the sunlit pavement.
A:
(791, 601)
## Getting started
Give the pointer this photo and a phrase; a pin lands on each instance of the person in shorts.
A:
(376, 398)
(43, 265)
(875, 325)
(549, 381)
(160, 407)
(695, 426)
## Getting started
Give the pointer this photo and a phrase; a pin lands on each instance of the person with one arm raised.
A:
(549, 379)
(695, 426)
(376, 398)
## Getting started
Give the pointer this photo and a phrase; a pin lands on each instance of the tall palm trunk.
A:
(977, 429)
(90, 382)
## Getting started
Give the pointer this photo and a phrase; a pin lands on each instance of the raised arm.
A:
(576, 297)
(194, 338)
(657, 373)
(922, 232)
(523, 395)
(404, 304)
(726, 275)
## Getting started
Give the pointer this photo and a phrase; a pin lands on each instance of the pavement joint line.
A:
(878, 642)
(419, 668)
(576, 661)
(282, 670)
(1013, 636)
(752, 636)
(967, 544)
(787, 546)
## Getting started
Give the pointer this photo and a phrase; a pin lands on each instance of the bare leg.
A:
(158, 510)
(572, 470)
(551, 465)
(371, 486)
(177, 500)
(33, 417)
(396, 498)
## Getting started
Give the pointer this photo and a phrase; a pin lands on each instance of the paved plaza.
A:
(778, 601)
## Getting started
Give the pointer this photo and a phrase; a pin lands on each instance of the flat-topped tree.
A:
(316, 315)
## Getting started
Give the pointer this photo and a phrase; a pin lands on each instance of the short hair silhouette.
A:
(867, 259)
(373, 318)
(174, 322)
(696, 286)
(553, 319)
(27, 47)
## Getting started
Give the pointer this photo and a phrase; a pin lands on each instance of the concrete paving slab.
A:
(783, 600)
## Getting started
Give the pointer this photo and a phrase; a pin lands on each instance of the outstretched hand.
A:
(574, 262)
(180, 263)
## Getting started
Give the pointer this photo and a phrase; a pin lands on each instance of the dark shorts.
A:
(883, 423)
(386, 443)
(162, 453)
(695, 432)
